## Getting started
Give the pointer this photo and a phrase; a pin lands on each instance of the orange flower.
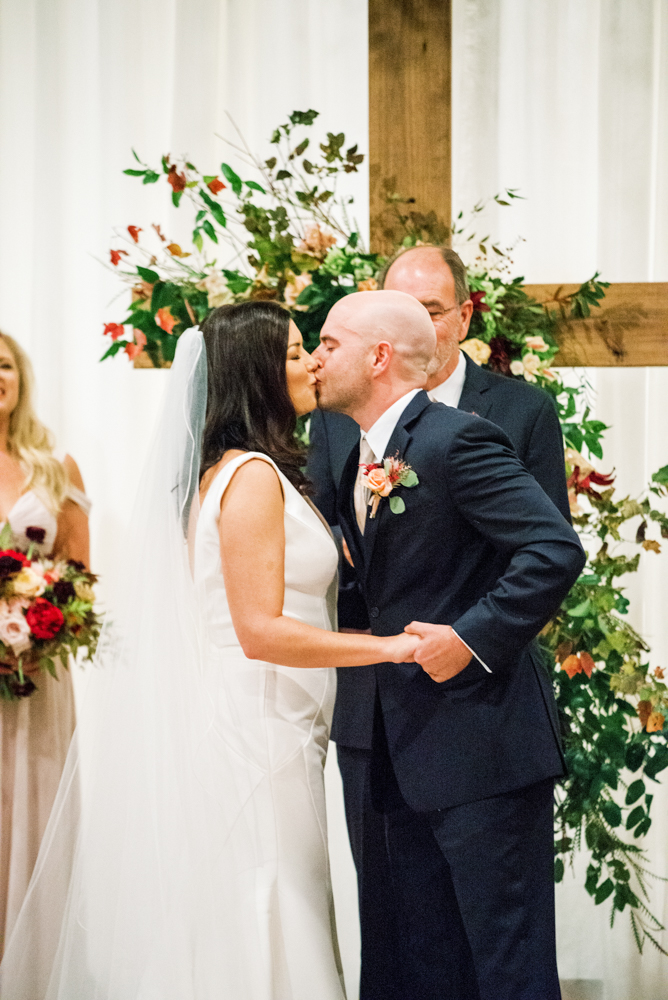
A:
(655, 722)
(114, 330)
(377, 482)
(369, 285)
(178, 181)
(587, 663)
(572, 665)
(659, 674)
(116, 256)
(215, 186)
(134, 232)
(132, 350)
(644, 711)
(176, 250)
(165, 320)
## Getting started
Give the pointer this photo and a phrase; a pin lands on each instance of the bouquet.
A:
(46, 613)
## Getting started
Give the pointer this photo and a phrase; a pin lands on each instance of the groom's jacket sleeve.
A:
(493, 491)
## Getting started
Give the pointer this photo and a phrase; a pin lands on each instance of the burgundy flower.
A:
(36, 535)
(10, 562)
(479, 304)
(499, 359)
(44, 618)
(63, 591)
(23, 690)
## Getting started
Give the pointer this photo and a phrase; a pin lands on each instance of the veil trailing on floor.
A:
(144, 864)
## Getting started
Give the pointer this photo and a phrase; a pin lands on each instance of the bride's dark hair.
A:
(248, 403)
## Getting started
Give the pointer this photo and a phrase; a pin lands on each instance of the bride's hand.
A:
(402, 647)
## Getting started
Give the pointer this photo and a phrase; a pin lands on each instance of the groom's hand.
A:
(440, 652)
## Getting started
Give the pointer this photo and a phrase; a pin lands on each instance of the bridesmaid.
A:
(37, 491)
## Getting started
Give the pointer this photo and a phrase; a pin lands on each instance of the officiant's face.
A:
(423, 273)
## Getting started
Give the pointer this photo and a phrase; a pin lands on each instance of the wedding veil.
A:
(142, 865)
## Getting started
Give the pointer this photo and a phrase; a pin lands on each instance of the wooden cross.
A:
(410, 56)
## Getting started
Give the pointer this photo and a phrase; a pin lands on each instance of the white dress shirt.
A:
(450, 391)
(378, 436)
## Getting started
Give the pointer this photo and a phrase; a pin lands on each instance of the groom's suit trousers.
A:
(457, 903)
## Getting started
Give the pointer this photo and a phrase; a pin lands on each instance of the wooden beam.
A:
(409, 111)
(630, 329)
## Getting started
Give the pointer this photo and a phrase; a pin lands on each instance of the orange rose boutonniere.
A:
(381, 480)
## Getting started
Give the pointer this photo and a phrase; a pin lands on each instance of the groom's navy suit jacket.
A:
(479, 547)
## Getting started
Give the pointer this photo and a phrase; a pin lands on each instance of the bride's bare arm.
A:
(252, 549)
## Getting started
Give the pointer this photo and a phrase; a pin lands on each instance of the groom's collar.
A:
(378, 436)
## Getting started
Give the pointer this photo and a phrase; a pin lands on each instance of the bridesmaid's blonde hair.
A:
(30, 441)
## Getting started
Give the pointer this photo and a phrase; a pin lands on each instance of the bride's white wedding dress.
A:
(276, 720)
(186, 854)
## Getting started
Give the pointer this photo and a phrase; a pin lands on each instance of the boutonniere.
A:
(381, 480)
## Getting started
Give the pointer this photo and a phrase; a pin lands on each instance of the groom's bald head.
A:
(373, 343)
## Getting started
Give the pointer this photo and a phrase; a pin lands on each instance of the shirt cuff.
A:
(474, 653)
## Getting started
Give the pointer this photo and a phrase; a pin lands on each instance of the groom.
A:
(464, 748)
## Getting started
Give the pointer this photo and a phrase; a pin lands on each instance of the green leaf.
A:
(635, 790)
(114, 349)
(197, 240)
(635, 755)
(409, 479)
(611, 812)
(151, 177)
(660, 477)
(255, 187)
(657, 762)
(604, 890)
(642, 827)
(634, 817)
(176, 197)
(397, 505)
(148, 275)
(582, 610)
(209, 230)
(135, 173)
(558, 869)
(232, 178)
(304, 117)
(283, 175)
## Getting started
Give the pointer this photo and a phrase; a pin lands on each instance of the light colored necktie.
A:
(361, 498)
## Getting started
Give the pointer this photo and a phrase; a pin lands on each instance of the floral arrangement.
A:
(287, 236)
(46, 613)
(381, 480)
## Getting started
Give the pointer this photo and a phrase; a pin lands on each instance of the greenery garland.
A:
(288, 237)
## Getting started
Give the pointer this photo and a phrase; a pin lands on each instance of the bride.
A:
(186, 855)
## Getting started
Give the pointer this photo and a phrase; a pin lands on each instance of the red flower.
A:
(115, 330)
(584, 484)
(134, 232)
(116, 256)
(215, 186)
(499, 359)
(178, 181)
(479, 305)
(44, 618)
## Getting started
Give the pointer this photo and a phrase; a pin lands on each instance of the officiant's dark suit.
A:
(368, 770)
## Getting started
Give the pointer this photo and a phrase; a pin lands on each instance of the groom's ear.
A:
(382, 356)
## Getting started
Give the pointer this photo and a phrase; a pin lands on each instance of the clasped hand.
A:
(439, 651)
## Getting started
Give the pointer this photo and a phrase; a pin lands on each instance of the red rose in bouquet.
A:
(44, 618)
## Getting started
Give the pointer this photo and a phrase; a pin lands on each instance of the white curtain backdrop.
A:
(564, 99)
(567, 100)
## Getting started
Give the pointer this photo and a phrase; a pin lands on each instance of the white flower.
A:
(477, 350)
(14, 629)
(529, 366)
(216, 286)
(28, 583)
(536, 344)
(295, 286)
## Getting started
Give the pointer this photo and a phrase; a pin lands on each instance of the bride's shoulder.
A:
(253, 480)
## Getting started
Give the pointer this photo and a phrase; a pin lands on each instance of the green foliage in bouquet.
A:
(287, 236)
